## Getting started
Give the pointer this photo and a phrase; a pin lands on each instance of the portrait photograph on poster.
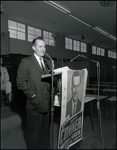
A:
(72, 106)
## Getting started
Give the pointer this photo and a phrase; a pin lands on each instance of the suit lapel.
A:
(36, 63)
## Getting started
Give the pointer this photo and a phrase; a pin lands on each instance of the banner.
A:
(72, 107)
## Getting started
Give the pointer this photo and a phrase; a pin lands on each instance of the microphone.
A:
(83, 56)
(51, 60)
(49, 57)
(75, 58)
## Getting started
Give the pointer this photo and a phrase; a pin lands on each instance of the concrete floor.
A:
(13, 130)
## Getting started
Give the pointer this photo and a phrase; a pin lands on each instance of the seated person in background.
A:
(5, 83)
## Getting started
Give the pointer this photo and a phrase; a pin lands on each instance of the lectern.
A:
(70, 130)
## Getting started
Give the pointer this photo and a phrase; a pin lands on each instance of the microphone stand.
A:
(52, 108)
(97, 144)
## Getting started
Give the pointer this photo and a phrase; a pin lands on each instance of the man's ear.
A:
(33, 47)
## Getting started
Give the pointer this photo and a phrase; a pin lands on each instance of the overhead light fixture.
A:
(103, 32)
(82, 37)
(79, 20)
(55, 5)
(100, 30)
(107, 3)
(112, 37)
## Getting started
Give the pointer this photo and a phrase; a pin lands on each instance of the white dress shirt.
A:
(38, 59)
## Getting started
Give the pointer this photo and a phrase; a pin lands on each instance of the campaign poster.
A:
(72, 107)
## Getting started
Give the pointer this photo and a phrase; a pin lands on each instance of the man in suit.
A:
(74, 104)
(5, 84)
(37, 92)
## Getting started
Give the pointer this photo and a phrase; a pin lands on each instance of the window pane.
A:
(109, 54)
(75, 47)
(82, 49)
(93, 49)
(50, 36)
(35, 36)
(45, 34)
(37, 32)
(51, 42)
(12, 25)
(82, 44)
(85, 50)
(13, 34)
(21, 27)
(114, 55)
(66, 46)
(21, 35)
(70, 47)
(46, 41)
(66, 40)
(70, 41)
(102, 52)
(98, 51)
(30, 37)
(30, 30)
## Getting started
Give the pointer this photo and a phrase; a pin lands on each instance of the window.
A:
(17, 30)
(83, 47)
(68, 43)
(33, 33)
(76, 45)
(98, 51)
(111, 54)
(102, 52)
(114, 55)
(93, 49)
(49, 40)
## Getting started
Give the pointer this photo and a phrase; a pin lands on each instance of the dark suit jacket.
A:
(69, 107)
(29, 81)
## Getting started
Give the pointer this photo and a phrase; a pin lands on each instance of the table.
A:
(113, 98)
(109, 90)
(92, 89)
(101, 85)
(90, 98)
(106, 82)
(112, 106)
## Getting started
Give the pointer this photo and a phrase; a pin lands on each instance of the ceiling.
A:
(41, 15)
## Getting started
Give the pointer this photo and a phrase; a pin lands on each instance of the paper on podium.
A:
(56, 71)
(60, 70)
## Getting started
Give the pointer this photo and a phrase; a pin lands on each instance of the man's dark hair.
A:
(38, 38)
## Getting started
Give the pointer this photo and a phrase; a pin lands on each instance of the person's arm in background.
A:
(5, 75)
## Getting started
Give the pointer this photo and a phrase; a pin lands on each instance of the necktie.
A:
(42, 67)
(74, 111)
